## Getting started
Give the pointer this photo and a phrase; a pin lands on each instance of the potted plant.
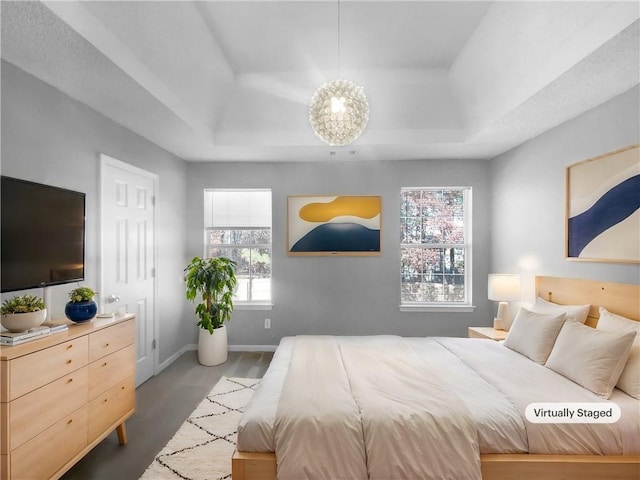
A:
(81, 307)
(214, 280)
(23, 312)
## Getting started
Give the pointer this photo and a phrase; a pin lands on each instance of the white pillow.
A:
(533, 334)
(576, 313)
(589, 357)
(629, 381)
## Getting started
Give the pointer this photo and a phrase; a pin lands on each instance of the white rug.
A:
(202, 447)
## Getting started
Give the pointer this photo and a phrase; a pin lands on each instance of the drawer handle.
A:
(70, 380)
(122, 388)
(69, 361)
(69, 346)
(105, 400)
(104, 364)
(107, 345)
(70, 421)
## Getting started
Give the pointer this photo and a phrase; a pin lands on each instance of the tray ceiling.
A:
(232, 80)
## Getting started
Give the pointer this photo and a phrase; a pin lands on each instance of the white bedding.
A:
(318, 410)
(482, 387)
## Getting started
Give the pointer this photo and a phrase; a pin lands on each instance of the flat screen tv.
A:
(42, 230)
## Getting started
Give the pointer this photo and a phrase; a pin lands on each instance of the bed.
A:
(475, 438)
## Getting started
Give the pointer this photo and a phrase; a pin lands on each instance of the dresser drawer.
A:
(109, 370)
(36, 411)
(108, 409)
(111, 339)
(44, 366)
(42, 456)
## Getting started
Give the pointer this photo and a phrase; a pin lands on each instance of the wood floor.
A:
(162, 405)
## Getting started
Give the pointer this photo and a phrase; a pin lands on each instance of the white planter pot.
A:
(212, 348)
(21, 322)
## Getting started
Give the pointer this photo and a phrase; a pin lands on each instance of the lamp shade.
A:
(504, 287)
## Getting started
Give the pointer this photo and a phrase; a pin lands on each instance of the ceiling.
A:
(232, 80)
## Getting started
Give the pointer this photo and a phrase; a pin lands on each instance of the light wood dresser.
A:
(62, 394)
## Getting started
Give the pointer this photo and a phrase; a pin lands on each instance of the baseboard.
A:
(175, 356)
(252, 348)
(232, 348)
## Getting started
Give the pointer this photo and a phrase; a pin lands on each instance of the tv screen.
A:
(42, 230)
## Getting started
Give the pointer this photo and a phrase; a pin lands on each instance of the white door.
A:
(128, 253)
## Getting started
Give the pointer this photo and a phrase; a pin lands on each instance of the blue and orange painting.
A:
(604, 208)
(334, 224)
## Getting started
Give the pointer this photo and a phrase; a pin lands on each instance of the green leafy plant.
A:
(81, 294)
(214, 279)
(22, 304)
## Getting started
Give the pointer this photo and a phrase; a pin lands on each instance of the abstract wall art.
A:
(333, 225)
(603, 208)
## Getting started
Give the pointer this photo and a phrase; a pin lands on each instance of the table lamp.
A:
(503, 288)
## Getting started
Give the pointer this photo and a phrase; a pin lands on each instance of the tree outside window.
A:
(435, 245)
(238, 226)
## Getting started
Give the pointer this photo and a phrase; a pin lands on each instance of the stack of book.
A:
(16, 338)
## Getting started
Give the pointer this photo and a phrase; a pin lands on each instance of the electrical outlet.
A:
(267, 323)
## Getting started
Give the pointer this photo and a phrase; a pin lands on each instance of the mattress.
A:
(492, 385)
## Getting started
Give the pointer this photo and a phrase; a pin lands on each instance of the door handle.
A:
(112, 299)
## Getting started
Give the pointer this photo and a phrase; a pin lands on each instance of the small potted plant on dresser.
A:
(23, 312)
(81, 307)
(214, 279)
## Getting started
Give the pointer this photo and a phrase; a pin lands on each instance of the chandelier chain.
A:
(339, 42)
(339, 110)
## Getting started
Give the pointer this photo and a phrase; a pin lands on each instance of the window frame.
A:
(466, 246)
(262, 304)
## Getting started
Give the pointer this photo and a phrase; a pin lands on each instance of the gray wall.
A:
(528, 220)
(519, 196)
(345, 295)
(48, 137)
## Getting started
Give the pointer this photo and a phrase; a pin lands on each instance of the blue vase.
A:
(81, 312)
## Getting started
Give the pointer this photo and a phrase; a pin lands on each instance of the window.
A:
(238, 226)
(435, 247)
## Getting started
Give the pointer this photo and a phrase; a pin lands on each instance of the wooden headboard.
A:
(620, 298)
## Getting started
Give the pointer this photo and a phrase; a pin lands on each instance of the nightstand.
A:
(486, 332)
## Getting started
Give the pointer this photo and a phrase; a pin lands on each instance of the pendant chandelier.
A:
(339, 110)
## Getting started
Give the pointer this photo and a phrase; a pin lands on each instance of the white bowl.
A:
(21, 322)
